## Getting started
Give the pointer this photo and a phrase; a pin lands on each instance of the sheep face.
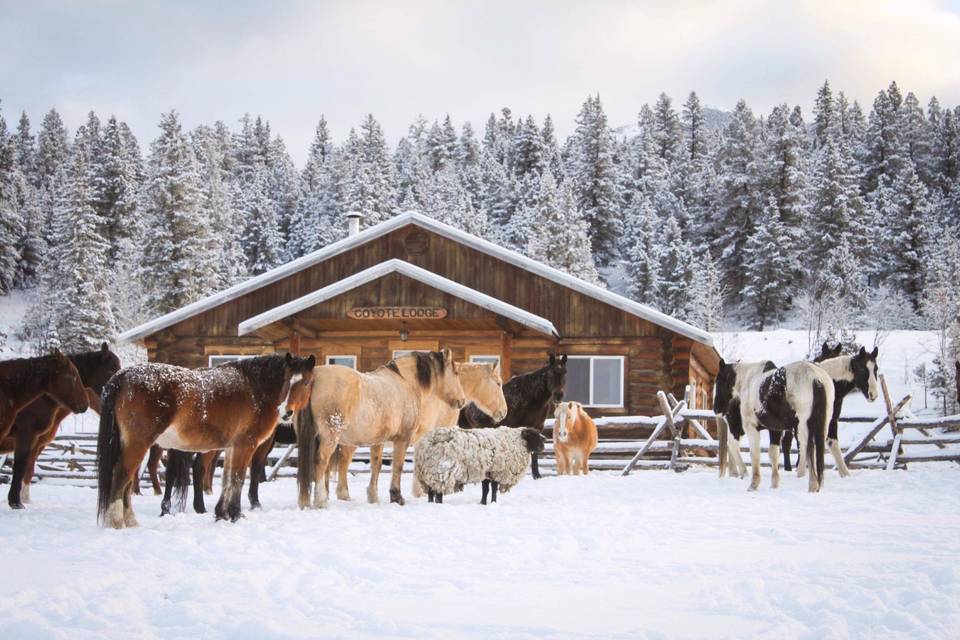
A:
(533, 440)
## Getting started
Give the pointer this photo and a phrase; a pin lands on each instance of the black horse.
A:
(529, 399)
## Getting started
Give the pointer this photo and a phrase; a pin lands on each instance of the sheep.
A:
(448, 459)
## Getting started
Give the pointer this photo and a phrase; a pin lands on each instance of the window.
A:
(345, 361)
(218, 360)
(595, 381)
(399, 353)
(485, 359)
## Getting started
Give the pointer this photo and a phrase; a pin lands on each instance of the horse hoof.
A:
(395, 497)
(254, 506)
(16, 505)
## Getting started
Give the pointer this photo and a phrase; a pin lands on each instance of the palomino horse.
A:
(798, 396)
(574, 438)
(356, 409)
(25, 379)
(528, 401)
(233, 406)
(180, 468)
(37, 424)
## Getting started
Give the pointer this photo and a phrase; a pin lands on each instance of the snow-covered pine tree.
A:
(677, 271)
(449, 202)
(918, 137)
(595, 178)
(641, 252)
(119, 189)
(551, 151)
(261, 239)
(283, 191)
(824, 118)
(315, 222)
(85, 319)
(668, 131)
(376, 189)
(740, 197)
(53, 151)
(11, 223)
(528, 149)
(26, 150)
(176, 268)
(219, 195)
(709, 295)
(884, 148)
(905, 236)
(838, 212)
(441, 144)
(770, 263)
(468, 149)
(560, 238)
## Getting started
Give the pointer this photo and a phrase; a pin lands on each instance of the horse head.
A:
(556, 378)
(66, 385)
(864, 368)
(533, 439)
(827, 352)
(298, 398)
(447, 379)
(99, 367)
(723, 387)
(487, 390)
(565, 415)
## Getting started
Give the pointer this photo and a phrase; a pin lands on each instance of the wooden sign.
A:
(397, 313)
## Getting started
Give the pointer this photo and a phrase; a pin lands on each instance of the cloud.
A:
(293, 62)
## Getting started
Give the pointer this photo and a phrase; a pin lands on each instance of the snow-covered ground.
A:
(653, 555)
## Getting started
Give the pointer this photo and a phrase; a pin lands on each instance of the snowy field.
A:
(653, 555)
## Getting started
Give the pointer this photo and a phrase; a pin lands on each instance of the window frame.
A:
(234, 357)
(343, 356)
(592, 359)
(473, 358)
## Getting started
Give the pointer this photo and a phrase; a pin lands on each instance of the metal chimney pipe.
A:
(353, 222)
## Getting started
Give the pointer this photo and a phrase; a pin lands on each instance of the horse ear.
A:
(722, 363)
(447, 354)
(56, 352)
(553, 359)
(862, 352)
(288, 358)
(312, 361)
(563, 359)
(875, 352)
(104, 347)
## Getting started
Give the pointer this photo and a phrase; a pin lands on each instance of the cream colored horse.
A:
(574, 438)
(355, 409)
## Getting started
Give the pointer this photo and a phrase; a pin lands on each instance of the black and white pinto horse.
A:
(733, 380)
(848, 373)
(796, 397)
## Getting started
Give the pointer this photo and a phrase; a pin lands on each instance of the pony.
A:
(798, 396)
(233, 406)
(574, 438)
(23, 380)
(181, 465)
(36, 425)
(529, 397)
(356, 409)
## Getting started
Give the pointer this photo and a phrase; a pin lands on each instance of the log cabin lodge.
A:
(414, 283)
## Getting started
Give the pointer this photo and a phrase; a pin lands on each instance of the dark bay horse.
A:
(37, 424)
(530, 397)
(233, 406)
(25, 379)
(182, 464)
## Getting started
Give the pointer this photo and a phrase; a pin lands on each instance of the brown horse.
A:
(357, 409)
(233, 406)
(574, 438)
(36, 425)
(25, 379)
(180, 468)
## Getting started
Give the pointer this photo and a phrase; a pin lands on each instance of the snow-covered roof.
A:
(435, 226)
(411, 271)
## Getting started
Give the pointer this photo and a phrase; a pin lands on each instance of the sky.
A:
(293, 62)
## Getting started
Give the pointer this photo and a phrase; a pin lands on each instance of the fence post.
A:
(892, 419)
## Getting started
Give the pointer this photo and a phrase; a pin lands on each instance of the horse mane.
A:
(20, 370)
(429, 364)
(530, 385)
(265, 373)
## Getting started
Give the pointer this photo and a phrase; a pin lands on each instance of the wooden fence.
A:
(676, 439)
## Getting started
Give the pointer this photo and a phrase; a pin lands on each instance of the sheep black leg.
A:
(439, 498)
(429, 495)
(486, 487)
(496, 485)
(535, 466)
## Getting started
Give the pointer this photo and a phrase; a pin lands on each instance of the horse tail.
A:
(817, 429)
(306, 453)
(177, 474)
(108, 446)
